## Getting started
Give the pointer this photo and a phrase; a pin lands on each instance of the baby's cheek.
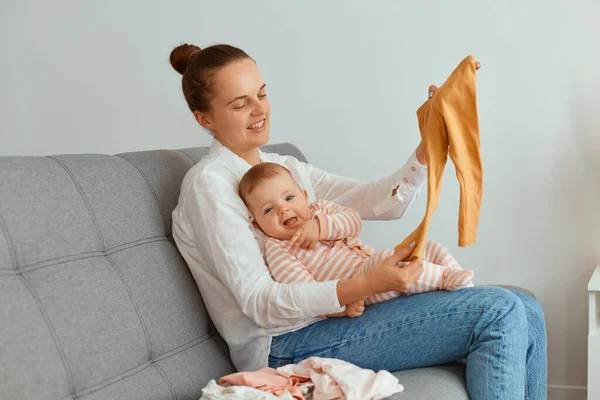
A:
(306, 214)
(276, 231)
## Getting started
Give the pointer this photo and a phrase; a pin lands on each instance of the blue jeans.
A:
(501, 333)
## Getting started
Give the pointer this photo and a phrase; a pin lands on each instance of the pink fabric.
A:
(332, 379)
(268, 380)
(335, 379)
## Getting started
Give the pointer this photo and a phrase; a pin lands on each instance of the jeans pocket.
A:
(276, 362)
(279, 354)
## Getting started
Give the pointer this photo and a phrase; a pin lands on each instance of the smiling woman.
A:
(269, 323)
(238, 113)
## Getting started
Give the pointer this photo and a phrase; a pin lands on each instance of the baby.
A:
(319, 242)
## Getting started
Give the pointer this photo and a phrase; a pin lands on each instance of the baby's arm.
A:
(286, 268)
(337, 222)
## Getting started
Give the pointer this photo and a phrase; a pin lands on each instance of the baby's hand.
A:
(355, 309)
(306, 236)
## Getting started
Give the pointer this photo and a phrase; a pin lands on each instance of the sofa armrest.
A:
(518, 289)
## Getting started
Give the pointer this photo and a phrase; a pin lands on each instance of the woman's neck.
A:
(252, 157)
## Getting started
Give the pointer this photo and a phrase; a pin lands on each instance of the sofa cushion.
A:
(433, 383)
(95, 300)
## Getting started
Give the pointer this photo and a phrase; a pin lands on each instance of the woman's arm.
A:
(385, 199)
(372, 200)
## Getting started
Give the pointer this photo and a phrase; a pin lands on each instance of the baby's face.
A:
(279, 207)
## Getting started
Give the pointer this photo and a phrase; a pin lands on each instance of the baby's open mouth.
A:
(290, 221)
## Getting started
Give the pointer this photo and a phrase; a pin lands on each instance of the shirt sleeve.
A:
(336, 221)
(284, 266)
(372, 200)
(221, 229)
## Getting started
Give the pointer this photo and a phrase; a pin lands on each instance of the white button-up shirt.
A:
(213, 231)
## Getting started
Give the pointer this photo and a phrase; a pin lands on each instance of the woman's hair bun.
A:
(181, 56)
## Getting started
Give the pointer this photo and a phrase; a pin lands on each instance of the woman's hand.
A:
(393, 274)
(430, 92)
(306, 236)
(389, 274)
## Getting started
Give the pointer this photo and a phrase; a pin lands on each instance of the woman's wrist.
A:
(354, 289)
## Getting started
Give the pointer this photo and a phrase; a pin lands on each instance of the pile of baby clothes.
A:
(312, 379)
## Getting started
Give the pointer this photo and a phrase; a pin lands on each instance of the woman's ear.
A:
(203, 119)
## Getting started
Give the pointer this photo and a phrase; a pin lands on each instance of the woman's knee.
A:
(504, 304)
(532, 306)
(534, 312)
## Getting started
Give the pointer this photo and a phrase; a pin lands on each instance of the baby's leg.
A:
(434, 277)
(377, 256)
(436, 253)
(441, 277)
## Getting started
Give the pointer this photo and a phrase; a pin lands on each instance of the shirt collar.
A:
(237, 165)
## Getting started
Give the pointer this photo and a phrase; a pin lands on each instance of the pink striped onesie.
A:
(340, 254)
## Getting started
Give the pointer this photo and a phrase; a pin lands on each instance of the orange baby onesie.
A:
(449, 123)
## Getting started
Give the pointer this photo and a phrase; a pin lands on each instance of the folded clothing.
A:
(323, 378)
(268, 380)
(213, 391)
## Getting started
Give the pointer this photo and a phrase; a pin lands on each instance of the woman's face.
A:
(240, 110)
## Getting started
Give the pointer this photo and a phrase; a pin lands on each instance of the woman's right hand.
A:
(393, 274)
(389, 274)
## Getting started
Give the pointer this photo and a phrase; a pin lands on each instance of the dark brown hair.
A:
(259, 173)
(198, 67)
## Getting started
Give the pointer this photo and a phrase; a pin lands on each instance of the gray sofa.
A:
(95, 300)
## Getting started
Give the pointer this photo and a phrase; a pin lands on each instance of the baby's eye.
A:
(289, 198)
(268, 210)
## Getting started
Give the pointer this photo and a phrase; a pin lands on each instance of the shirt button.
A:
(405, 179)
(413, 169)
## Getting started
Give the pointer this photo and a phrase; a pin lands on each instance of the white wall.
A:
(345, 79)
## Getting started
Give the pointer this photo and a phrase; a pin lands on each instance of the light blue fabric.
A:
(501, 333)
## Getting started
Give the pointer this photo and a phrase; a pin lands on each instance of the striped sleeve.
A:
(337, 222)
(284, 266)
